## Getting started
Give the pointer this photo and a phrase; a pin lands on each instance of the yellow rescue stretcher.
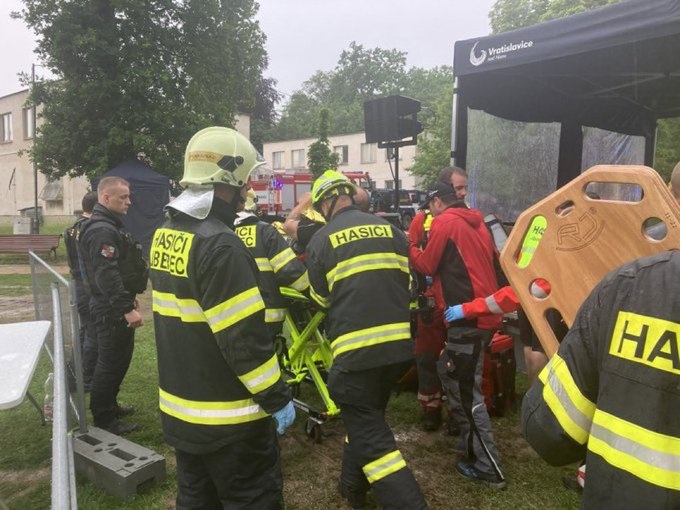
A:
(305, 355)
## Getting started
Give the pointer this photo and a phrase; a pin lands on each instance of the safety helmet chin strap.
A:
(329, 214)
(237, 200)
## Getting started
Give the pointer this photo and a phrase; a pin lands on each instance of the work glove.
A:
(454, 313)
(284, 417)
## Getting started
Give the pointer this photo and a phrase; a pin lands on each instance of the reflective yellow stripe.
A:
(652, 457)
(274, 314)
(371, 336)
(263, 264)
(385, 465)
(572, 409)
(323, 301)
(233, 310)
(370, 262)
(169, 305)
(210, 413)
(289, 293)
(280, 260)
(262, 377)
(302, 283)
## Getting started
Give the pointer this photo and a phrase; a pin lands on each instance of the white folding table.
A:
(20, 345)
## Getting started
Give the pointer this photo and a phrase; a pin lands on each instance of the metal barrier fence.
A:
(54, 300)
(42, 278)
(64, 495)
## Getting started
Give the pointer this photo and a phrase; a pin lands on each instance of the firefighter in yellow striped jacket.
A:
(611, 393)
(358, 270)
(219, 378)
(277, 263)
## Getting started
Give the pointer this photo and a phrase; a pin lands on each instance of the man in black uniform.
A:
(611, 393)
(115, 272)
(220, 382)
(358, 269)
(87, 333)
(277, 264)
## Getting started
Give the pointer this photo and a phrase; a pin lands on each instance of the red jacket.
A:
(462, 257)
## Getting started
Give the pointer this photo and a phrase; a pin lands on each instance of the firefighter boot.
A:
(356, 500)
(431, 420)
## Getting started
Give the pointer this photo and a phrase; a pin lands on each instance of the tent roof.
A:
(138, 173)
(616, 68)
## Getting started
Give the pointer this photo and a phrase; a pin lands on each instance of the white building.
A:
(355, 155)
(58, 199)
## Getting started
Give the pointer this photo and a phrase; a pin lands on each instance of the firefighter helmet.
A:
(331, 183)
(219, 155)
(251, 201)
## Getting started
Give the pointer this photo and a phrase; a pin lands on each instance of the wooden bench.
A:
(23, 243)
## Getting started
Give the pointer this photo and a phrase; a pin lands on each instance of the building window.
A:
(298, 158)
(6, 127)
(390, 184)
(277, 160)
(343, 152)
(29, 125)
(368, 152)
(53, 191)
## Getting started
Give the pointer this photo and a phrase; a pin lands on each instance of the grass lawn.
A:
(310, 470)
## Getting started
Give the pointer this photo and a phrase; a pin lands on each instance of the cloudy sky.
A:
(304, 36)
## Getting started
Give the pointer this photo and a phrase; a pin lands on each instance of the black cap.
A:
(439, 189)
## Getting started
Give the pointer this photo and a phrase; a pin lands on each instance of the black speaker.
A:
(391, 118)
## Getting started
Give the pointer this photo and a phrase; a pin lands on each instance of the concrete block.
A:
(120, 467)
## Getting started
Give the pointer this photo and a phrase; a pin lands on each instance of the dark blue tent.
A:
(615, 68)
(150, 192)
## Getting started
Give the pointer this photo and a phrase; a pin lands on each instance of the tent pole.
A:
(571, 152)
(650, 147)
(459, 129)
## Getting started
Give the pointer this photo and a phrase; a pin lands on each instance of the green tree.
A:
(320, 157)
(510, 14)
(139, 76)
(263, 115)
(434, 88)
(359, 75)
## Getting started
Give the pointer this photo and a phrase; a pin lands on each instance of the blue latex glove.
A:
(453, 313)
(284, 417)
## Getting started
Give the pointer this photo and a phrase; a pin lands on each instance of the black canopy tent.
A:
(615, 68)
(149, 193)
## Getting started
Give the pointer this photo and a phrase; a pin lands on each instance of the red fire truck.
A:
(280, 192)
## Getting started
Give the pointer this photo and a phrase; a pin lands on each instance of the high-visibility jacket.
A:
(500, 302)
(277, 263)
(358, 269)
(463, 259)
(219, 377)
(611, 393)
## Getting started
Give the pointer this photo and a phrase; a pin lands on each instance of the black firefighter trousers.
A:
(371, 457)
(115, 342)
(243, 475)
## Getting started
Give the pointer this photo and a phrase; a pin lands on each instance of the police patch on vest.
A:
(647, 340)
(248, 235)
(362, 232)
(108, 251)
(170, 251)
